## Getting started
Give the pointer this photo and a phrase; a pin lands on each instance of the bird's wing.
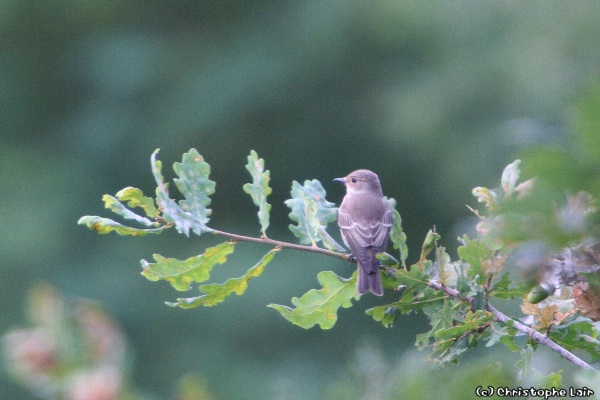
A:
(354, 237)
(365, 234)
(365, 239)
(380, 240)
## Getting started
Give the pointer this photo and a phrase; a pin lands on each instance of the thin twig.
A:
(283, 245)
(532, 333)
(540, 338)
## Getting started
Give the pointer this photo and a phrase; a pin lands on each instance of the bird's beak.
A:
(341, 180)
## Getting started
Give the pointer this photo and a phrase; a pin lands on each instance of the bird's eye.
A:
(353, 180)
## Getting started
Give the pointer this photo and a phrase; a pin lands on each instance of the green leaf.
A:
(180, 274)
(397, 235)
(554, 380)
(413, 277)
(503, 290)
(464, 285)
(321, 306)
(216, 293)
(451, 341)
(387, 259)
(471, 323)
(440, 317)
(430, 240)
(411, 300)
(495, 333)
(579, 333)
(446, 268)
(312, 212)
(448, 351)
(184, 220)
(117, 207)
(194, 184)
(259, 188)
(386, 314)
(509, 339)
(428, 244)
(135, 198)
(474, 252)
(106, 225)
(524, 364)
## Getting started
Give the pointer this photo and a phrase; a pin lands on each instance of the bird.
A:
(365, 220)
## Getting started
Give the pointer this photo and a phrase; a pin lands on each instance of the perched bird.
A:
(365, 220)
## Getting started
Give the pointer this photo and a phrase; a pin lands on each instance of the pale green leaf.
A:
(510, 177)
(397, 235)
(495, 333)
(135, 198)
(113, 204)
(184, 221)
(194, 183)
(180, 274)
(321, 306)
(430, 241)
(216, 293)
(312, 212)
(259, 188)
(386, 314)
(447, 270)
(524, 364)
(486, 196)
(553, 380)
(106, 225)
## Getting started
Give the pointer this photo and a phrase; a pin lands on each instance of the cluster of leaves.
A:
(310, 214)
(455, 295)
(537, 242)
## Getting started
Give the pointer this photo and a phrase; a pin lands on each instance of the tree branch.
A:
(541, 339)
(532, 333)
(498, 315)
(283, 245)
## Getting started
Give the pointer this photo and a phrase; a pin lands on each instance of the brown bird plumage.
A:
(365, 220)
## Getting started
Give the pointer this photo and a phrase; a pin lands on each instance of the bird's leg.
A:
(351, 259)
(389, 270)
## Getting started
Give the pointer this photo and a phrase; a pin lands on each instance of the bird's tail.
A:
(369, 279)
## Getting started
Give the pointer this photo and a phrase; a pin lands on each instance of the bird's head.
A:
(361, 180)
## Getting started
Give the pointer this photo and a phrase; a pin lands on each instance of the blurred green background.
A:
(434, 96)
